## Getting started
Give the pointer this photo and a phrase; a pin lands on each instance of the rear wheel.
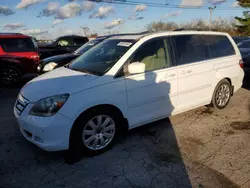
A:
(222, 95)
(10, 76)
(95, 131)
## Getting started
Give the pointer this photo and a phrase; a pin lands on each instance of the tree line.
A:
(221, 25)
(239, 26)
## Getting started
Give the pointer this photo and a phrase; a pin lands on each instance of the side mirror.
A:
(136, 67)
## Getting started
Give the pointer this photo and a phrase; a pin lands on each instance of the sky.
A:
(48, 19)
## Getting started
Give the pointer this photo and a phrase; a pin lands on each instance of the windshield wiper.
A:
(91, 72)
(87, 71)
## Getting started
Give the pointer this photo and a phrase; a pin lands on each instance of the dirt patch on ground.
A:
(241, 125)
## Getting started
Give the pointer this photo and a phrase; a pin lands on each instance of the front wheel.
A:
(222, 95)
(95, 131)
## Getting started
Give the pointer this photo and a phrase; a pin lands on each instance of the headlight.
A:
(50, 66)
(48, 106)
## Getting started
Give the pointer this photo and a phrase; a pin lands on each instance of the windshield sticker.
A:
(126, 44)
(91, 44)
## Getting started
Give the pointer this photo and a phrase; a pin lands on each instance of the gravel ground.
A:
(202, 148)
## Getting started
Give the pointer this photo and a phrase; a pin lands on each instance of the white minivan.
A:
(125, 82)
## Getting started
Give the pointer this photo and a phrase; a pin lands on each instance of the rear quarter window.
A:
(219, 45)
(17, 45)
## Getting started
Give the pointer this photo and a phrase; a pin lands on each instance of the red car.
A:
(19, 57)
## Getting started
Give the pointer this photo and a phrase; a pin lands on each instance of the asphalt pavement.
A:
(202, 148)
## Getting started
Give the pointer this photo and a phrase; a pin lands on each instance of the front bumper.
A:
(48, 133)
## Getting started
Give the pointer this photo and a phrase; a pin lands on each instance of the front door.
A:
(153, 94)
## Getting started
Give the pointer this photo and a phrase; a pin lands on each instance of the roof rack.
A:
(121, 34)
(11, 34)
(193, 29)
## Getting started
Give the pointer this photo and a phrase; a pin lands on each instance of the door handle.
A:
(169, 75)
(186, 71)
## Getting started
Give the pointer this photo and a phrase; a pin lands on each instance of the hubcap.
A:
(10, 76)
(223, 95)
(98, 132)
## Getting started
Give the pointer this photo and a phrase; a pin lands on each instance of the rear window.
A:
(17, 45)
(79, 41)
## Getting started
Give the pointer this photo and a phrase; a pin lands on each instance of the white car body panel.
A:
(141, 98)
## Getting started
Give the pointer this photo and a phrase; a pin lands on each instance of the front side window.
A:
(153, 54)
(17, 45)
(101, 58)
(189, 49)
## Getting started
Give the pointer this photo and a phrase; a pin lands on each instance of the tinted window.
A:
(17, 45)
(220, 46)
(189, 49)
(153, 55)
(99, 59)
(79, 41)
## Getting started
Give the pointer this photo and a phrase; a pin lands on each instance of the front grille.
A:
(21, 103)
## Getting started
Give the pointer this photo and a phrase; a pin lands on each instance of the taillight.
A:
(35, 57)
(241, 63)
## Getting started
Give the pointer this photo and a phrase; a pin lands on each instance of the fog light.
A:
(38, 139)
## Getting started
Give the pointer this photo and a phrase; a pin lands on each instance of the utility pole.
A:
(211, 9)
(85, 30)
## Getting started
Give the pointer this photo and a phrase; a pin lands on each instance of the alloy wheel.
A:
(223, 95)
(98, 132)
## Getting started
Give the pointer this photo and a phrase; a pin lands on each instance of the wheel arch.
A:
(103, 106)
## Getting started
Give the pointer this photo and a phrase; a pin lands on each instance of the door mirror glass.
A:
(136, 67)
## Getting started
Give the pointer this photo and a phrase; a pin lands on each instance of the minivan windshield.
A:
(99, 59)
(84, 48)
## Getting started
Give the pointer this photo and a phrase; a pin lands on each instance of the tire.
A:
(221, 95)
(87, 136)
(10, 76)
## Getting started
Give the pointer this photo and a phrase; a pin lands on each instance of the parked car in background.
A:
(125, 82)
(246, 62)
(244, 47)
(53, 62)
(50, 63)
(62, 45)
(19, 57)
(238, 40)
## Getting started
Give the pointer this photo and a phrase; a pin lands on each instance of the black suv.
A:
(62, 45)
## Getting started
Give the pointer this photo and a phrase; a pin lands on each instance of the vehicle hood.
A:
(58, 58)
(58, 81)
